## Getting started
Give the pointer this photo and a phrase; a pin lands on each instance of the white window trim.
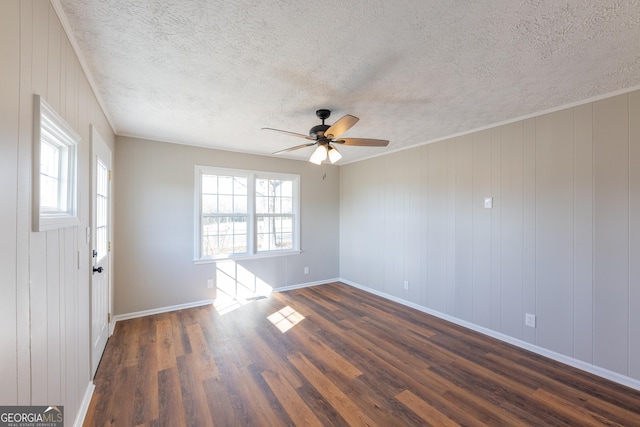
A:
(251, 176)
(45, 116)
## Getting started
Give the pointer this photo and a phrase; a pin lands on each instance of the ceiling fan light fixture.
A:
(319, 155)
(334, 154)
(325, 135)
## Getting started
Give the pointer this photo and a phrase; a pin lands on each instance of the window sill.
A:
(246, 257)
(46, 222)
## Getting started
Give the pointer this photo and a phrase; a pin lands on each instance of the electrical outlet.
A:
(306, 270)
(406, 285)
(530, 320)
(210, 283)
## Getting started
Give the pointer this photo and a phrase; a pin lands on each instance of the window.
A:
(242, 213)
(102, 210)
(54, 180)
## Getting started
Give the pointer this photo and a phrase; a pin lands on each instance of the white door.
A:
(101, 247)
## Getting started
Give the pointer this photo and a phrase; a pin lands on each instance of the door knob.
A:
(99, 269)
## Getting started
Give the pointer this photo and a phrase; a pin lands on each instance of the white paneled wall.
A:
(44, 276)
(562, 240)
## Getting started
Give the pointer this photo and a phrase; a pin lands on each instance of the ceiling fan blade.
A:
(363, 142)
(286, 132)
(296, 147)
(341, 126)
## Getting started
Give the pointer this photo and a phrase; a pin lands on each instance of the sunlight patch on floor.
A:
(285, 319)
(226, 303)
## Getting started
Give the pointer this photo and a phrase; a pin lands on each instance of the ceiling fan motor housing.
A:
(318, 131)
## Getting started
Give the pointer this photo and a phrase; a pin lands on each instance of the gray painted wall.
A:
(44, 277)
(154, 226)
(561, 242)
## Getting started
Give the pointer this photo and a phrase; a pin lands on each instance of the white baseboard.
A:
(160, 310)
(84, 405)
(305, 285)
(584, 366)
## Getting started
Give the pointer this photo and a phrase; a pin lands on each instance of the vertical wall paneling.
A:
(562, 241)
(529, 227)
(450, 221)
(38, 241)
(496, 227)
(481, 233)
(23, 225)
(414, 226)
(583, 233)
(390, 207)
(53, 264)
(9, 124)
(511, 230)
(436, 217)
(611, 238)
(401, 192)
(45, 292)
(634, 235)
(554, 231)
(375, 230)
(463, 214)
(54, 61)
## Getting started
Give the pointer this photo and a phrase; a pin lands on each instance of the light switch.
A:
(488, 202)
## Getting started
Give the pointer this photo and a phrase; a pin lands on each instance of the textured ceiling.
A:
(213, 73)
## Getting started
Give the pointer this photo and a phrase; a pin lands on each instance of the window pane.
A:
(209, 204)
(262, 204)
(225, 185)
(240, 204)
(50, 177)
(224, 235)
(286, 206)
(286, 189)
(225, 204)
(240, 185)
(49, 160)
(210, 245)
(102, 205)
(48, 192)
(274, 233)
(209, 184)
(262, 187)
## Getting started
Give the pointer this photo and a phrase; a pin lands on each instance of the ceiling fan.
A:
(325, 136)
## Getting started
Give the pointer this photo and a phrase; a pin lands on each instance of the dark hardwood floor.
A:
(333, 355)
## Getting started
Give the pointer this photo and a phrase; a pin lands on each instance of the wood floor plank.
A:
(349, 358)
(219, 402)
(342, 404)
(269, 354)
(614, 412)
(580, 415)
(145, 400)
(196, 409)
(327, 356)
(206, 365)
(170, 399)
(300, 413)
(424, 410)
(166, 355)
